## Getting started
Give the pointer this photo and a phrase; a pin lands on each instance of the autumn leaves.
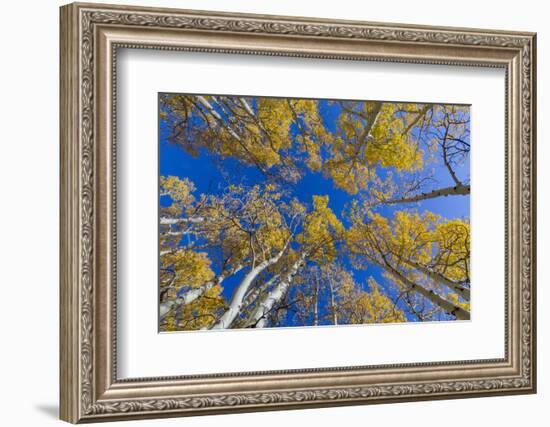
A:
(251, 229)
(290, 259)
(425, 255)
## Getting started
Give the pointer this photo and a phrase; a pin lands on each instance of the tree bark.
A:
(246, 106)
(438, 277)
(333, 303)
(430, 295)
(254, 294)
(259, 316)
(316, 304)
(237, 299)
(173, 221)
(218, 117)
(194, 293)
(458, 190)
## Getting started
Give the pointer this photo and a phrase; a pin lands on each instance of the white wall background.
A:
(29, 171)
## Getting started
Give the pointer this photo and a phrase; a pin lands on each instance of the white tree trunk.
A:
(333, 303)
(259, 316)
(253, 295)
(373, 119)
(218, 117)
(430, 295)
(173, 221)
(438, 277)
(246, 106)
(458, 190)
(194, 293)
(316, 305)
(237, 300)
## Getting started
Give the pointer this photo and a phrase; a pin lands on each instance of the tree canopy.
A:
(305, 212)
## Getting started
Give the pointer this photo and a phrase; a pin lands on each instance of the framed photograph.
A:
(266, 212)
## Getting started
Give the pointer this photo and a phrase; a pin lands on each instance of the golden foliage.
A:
(321, 231)
(191, 269)
(366, 146)
(357, 306)
(285, 133)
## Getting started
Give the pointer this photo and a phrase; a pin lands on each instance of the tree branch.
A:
(457, 190)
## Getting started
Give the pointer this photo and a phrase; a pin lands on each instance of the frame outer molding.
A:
(69, 221)
(89, 388)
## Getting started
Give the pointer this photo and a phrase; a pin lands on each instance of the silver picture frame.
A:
(90, 37)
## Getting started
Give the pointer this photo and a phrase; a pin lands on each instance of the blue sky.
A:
(205, 171)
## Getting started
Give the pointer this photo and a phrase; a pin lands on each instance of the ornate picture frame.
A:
(90, 37)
